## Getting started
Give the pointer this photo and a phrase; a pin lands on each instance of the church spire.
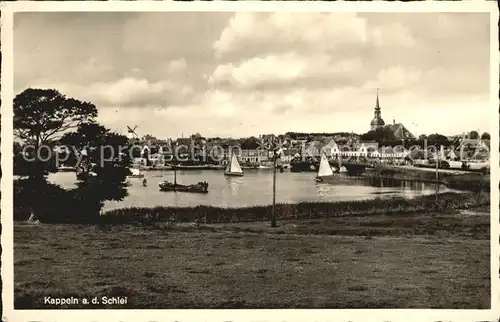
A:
(377, 121)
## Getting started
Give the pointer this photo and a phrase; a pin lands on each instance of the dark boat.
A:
(66, 169)
(303, 166)
(200, 187)
(193, 167)
(354, 169)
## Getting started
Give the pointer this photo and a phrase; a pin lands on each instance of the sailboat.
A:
(234, 168)
(200, 187)
(325, 170)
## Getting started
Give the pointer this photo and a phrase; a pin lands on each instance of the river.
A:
(255, 188)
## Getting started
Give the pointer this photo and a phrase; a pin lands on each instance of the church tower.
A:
(377, 121)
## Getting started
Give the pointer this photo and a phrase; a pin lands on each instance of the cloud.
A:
(247, 32)
(285, 71)
(396, 78)
(249, 73)
(283, 51)
(390, 34)
(177, 66)
(127, 92)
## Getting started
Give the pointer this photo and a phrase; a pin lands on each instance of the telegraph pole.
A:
(437, 175)
(273, 214)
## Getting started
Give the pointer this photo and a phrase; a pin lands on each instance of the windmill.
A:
(131, 133)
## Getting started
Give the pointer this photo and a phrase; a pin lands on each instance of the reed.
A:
(303, 210)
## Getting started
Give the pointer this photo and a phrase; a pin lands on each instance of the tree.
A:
(474, 135)
(485, 136)
(437, 140)
(40, 117)
(104, 167)
(380, 135)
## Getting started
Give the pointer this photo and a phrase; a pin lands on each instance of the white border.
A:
(240, 315)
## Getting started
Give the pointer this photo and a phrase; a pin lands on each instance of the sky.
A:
(237, 74)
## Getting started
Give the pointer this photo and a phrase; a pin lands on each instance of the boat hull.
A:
(195, 188)
(66, 169)
(325, 179)
(193, 167)
(234, 174)
(301, 166)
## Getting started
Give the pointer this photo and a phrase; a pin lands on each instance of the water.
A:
(255, 188)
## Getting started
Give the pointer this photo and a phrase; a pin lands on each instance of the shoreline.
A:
(473, 190)
(449, 201)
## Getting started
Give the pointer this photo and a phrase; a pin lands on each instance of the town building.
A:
(377, 121)
(399, 130)
(253, 151)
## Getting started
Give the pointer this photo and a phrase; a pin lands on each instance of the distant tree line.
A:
(385, 137)
(304, 135)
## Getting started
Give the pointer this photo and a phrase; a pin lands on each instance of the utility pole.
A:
(437, 175)
(273, 214)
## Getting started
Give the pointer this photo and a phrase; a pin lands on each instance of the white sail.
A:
(324, 167)
(234, 167)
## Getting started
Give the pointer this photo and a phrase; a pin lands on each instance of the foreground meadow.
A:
(378, 261)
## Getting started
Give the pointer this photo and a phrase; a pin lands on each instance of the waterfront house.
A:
(330, 148)
(253, 151)
(312, 148)
(364, 148)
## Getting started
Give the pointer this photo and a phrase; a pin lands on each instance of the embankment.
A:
(304, 210)
(472, 181)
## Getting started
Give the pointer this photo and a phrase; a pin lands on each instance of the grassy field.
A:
(378, 261)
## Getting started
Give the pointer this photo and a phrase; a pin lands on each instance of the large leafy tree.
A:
(43, 115)
(104, 165)
(380, 135)
(474, 135)
(438, 140)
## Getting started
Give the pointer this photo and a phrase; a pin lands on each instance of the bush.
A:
(51, 203)
(47, 201)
